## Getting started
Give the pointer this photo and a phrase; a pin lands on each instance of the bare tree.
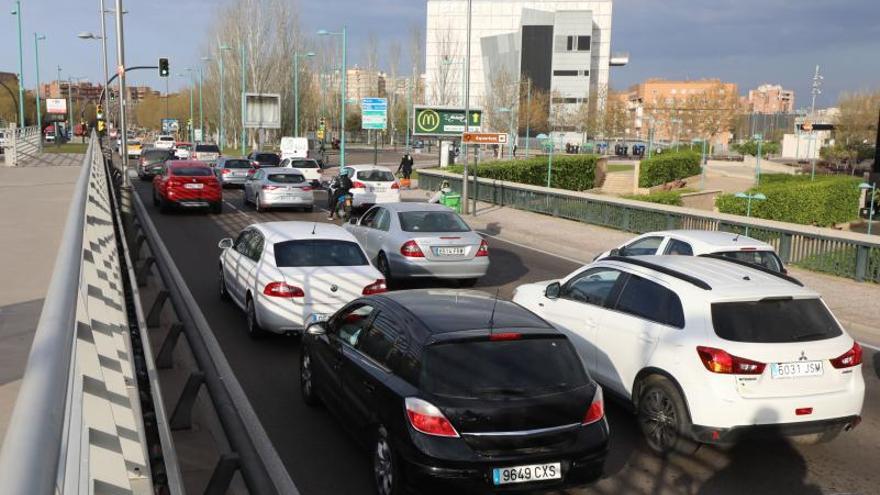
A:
(391, 87)
(500, 102)
(443, 91)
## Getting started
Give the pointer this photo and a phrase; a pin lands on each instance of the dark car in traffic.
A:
(260, 159)
(151, 162)
(457, 390)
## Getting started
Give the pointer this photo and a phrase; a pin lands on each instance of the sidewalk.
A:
(34, 203)
(856, 305)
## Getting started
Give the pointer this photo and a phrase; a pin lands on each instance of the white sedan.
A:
(287, 275)
(372, 185)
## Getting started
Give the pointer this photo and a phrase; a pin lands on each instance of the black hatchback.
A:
(459, 390)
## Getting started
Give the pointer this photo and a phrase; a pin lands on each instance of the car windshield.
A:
(192, 172)
(487, 369)
(207, 148)
(236, 164)
(431, 221)
(304, 164)
(318, 252)
(774, 321)
(152, 156)
(286, 178)
(267, 158)
(767, 259)
(375, 175)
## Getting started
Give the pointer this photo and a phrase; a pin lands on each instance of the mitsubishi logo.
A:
(334, 288)
(803, 356)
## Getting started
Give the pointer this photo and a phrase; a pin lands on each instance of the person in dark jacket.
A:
(339, 187)
(406, 166)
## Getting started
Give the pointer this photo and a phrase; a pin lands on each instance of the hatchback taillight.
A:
(376, 287)
(395, 185)
(719, 361)
(484, 248)
(226, 171)
(306, 189)
(428, 419)
(282, 289)
(270, 188)
(358, 185)
(596, 411)
(411, 250)
(850, 358)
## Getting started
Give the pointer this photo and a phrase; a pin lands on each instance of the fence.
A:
(844, 254)
(19, 144)
(78, 424)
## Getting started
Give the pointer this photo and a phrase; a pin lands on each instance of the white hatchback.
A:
(708, 349)
(372, 185)
(288, 275)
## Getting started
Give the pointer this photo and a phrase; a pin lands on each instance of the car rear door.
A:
(379, 233)
(327, 353)
(350, 326)
(248, 263)
(232, 265)
(363, 229)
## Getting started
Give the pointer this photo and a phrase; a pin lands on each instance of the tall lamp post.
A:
(201, 107)
(296, 57)
(547, 142)
(467, 113)
(343, 91)
(243, 58)
(222, 47)
(749, 198)
(816, 91)
(760, 139)
(872, 190)
(17, 13)
(37, 39)
(192, 131)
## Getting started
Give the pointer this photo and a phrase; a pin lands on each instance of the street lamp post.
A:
(749, 198)
(547, 142)
(296, 57)
(760, 139)
(201, 106)
(816, 91)
(528, 112)
(342, 96)
(467, 104)
(104, 51)
(17, 13)
(222, 143)
(37, 38)
(192, 131)
(870, 189)
(242, 56)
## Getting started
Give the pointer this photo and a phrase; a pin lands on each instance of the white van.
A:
(294, 147)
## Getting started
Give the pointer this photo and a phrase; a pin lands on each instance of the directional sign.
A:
(56, 105)
(484, 138)
(374, 113)
(441, 121)
(170, 126)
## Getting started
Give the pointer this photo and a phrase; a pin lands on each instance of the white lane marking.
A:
(548, 253)
(869, 346)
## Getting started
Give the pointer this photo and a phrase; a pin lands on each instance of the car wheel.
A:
(663, 418)
(253, 326)
(384, 267)
(307, 379)
(164, 205)
(385, 471)
(258, 205)
(467, 282)
(221, 282)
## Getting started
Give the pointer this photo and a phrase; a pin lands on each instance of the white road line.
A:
(869, 346)
(548, 253)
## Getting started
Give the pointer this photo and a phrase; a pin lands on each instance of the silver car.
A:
(232, 171)
(278, 187)
(421, 240)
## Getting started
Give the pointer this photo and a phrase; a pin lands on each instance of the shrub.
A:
(751, 148)
(574, 173)
(672, 198)
(823, 202)
(668, 167)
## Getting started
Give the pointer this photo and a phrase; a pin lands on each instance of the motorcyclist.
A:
(339, 187)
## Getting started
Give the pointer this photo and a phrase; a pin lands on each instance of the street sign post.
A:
(374, 114)
(443, 121)
(170, 126)
(484, 138)
(262, 111)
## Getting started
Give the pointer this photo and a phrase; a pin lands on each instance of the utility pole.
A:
(120, 70)
(106, 73)
(816, 91)
(243, 54)
(37, 38)
(20, 67)
(528, 112)
(467, 88)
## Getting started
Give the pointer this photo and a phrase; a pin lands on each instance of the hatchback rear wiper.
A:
(502, 391)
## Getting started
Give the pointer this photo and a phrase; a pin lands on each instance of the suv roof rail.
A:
(754, 266)
(662, 269)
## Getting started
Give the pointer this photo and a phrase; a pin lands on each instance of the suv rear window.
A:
(318, 252)
(287, 178)
(774, 321)
(375, 175)
(515, 368)
(192, 172)
(207, 148)
(236, 164)
(267, 158)
(304, 164)
(431, 221)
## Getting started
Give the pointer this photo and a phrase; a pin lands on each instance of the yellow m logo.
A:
(428, 120)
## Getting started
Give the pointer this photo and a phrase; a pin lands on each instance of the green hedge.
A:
(823, 202)
(751, 148)
(668, 167)
(571, 172)
(672, 198)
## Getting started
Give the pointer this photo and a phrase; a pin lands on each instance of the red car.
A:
(188, 184)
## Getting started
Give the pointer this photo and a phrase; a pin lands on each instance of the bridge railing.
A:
(845, 254)
(19, 143)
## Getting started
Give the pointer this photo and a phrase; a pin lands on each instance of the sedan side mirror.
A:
(353, 220)
(317, 329)
(225, 243)
(616, 252)
(553, 290)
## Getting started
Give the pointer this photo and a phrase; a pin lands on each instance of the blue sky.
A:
(744, 41)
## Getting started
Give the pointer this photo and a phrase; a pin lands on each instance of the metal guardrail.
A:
(78, 424)
(19, 143)
(844, 254)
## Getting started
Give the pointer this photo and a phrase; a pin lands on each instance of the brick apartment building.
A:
(88, 92)
(769, 99)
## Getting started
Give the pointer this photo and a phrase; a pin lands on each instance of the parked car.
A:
(164, 142)
(707, 350)
(275, 187)
(264, 159)
(701, 243)
(491, 399)
(206, 152)
(187, 184)
(311, 169)
(152, 161)
(232, 171)
(421, 240)
(286, 275)
(373, 185)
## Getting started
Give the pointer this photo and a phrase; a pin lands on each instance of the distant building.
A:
(811, 134)
(769, 99)
(78, 91)
(363, 83)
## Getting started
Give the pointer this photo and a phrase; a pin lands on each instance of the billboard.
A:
(170, 126)
(443, 121)
(374, 113)
(56, 105)
(262, 111)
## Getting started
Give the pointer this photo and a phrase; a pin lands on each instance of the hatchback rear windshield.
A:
(767, 259)
(287, 178)
(318, 252)
(304, 164)
(192, 172)
(207, 148)
(515, 368)
(376, 175)
(431, 221)
(156, 155)
(236, 164)
(774, 321)
(267, 159)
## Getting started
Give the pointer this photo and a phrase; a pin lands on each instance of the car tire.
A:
(468, 282)
(164, 205)
(253, 326)
(221, 282)
(663, 418)
(258, 204)
(386, 472)
(384, 267)
(307, 379)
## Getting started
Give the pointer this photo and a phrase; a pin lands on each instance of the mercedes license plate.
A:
(525, 474)
(449, 251)
(796, 370)
(194, 186)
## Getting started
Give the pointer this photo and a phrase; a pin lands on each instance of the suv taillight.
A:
(596, 411)
(376, 287)
(395, 185)
(850, 358)
(428, 419)
(484, 248)
(719, 361)
(358, 185)
(411, 250)
(226, 171)
(282, 289)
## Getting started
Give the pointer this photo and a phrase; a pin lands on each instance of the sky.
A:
(748, 42)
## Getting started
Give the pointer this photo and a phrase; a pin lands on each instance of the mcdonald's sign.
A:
(442, 121)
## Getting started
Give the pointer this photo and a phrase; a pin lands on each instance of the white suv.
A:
(707, 349)
(165, 142)
(700, 243)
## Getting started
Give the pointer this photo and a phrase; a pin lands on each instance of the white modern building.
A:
(562, 46)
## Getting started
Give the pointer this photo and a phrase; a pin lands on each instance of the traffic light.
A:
(101, 126)
(164, 70)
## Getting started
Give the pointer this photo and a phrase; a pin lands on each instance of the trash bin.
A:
(452, 201)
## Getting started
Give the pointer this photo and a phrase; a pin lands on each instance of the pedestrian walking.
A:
(405, 169)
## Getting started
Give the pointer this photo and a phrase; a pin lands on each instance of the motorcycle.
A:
(344, 207)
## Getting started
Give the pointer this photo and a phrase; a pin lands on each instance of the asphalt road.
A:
(323, 459)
